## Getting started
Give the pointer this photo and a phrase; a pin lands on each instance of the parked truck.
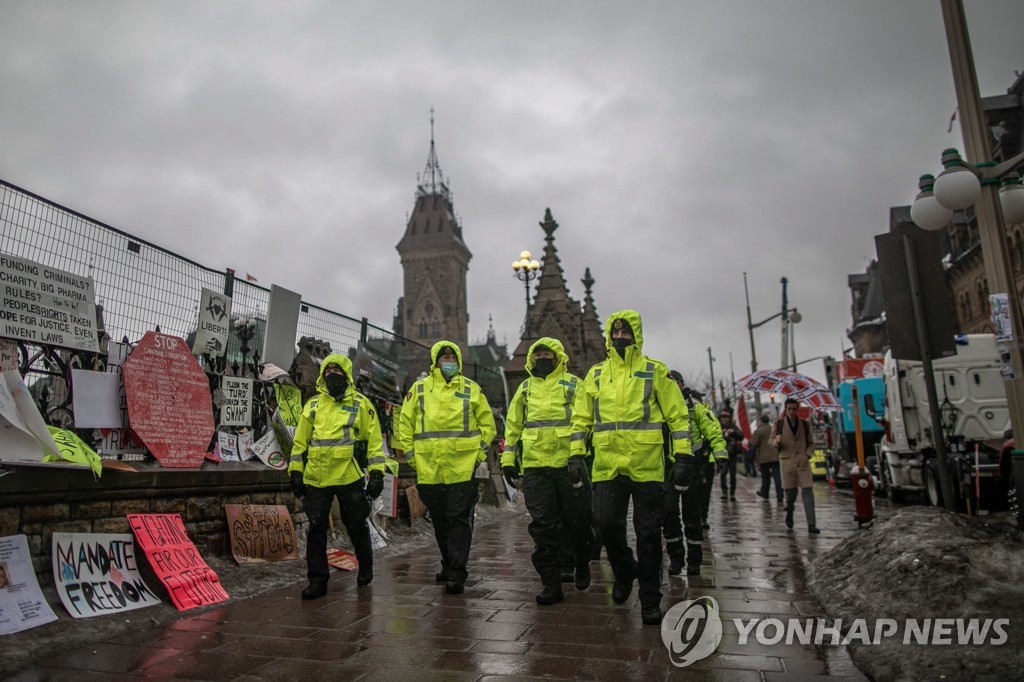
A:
(975, 422)
(870, 391)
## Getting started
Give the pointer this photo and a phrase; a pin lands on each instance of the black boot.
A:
(582, 577)
(441, 576)
(454, 587)
(651, 614)
(675, 566)
(365, 577)
(550, 595)
(621, 591)
(314, 591)
(567, 576)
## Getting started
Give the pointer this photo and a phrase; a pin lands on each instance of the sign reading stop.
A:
(169, 404)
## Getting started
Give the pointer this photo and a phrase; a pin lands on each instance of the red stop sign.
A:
(169, 404)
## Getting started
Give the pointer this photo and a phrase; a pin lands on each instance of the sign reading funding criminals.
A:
(237, 407)
(214, 319)
(97, 574)
(46, 305)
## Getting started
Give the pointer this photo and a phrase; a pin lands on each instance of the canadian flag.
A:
(250, 277)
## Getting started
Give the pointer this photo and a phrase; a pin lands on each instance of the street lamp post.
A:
(711, 364)
(958, 187)
(792, 315)
(526, 270)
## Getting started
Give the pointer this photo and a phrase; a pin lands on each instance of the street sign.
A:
(169, 404)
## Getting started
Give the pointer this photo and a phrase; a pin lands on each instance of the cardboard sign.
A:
(97, 574)
(8, 355)
(46, 305)
(342, 560)
(390, 496)
(269, 452)
(21, 603)
(169, 402)
(214, 320)
(261, 533)
(237, 407)
(176, 561)
(417, 510)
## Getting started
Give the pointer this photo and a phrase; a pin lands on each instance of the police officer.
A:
(625, 401)
(708, 447)
(324, 464)
(538, 428)
(445, 429)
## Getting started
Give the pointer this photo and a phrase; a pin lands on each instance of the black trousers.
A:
(561, 515)
(676, 525)
(769, 471)
(706, 476)
(730, 471)
(355, 509)
(611, 505)
(451, 507)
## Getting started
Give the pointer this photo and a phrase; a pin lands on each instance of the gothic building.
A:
(435, 260)
(553, 312)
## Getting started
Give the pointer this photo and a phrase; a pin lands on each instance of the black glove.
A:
(577, 471)
(298, 487)
(720, 466)
(511, 474)
(682, 471)
(376, 485)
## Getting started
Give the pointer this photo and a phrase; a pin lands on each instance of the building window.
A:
(436, 328)
(423, 327)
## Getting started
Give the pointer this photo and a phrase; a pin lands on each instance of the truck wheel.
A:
(932, 487)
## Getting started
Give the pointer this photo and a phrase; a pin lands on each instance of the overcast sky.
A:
(678, 144)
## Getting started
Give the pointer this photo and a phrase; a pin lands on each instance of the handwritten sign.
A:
(214, 318)
(237, 407)
(342, 560)
(269, 452)
(21, 603)
(176, 561)
(261, 533)
(169, 404)
(389, 497)
(97, 574)
(46, 305)
(119, 441)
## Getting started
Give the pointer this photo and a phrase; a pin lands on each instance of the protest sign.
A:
(97, 574)
(377, 540)
(390, 496)
(261, 533)
(21, 603)
(169, 402)
(96, 400)
(214, 319)
(227, 447)
(176, 561)
(47, 305)
(245, 440)
(74, 450)
(8, 355)
(269, 452)
(118, 442)
(23, 433)
(237, 407)
(342, 560)
(381, 372)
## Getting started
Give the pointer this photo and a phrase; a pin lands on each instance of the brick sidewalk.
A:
(404, 626)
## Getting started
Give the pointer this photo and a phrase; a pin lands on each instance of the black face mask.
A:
(337, 385)
(620, 346)
(543, 367)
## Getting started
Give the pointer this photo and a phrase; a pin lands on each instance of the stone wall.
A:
(37, 502)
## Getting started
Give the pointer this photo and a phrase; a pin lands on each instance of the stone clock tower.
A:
(435, 260)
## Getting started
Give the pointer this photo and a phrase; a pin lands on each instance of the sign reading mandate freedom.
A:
(46, 305)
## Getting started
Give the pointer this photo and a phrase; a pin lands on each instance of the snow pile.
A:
(926, 563)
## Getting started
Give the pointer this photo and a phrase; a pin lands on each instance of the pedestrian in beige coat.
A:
(795, 441)
(766, 456)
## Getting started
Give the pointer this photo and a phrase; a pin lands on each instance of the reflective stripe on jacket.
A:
(539, 421)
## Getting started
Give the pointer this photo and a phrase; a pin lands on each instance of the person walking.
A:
(734, 445)
(445, 430)
(767, 457)
(708, 446)
(338, 427)
(555, 486)
(625, 402)
(795, 441)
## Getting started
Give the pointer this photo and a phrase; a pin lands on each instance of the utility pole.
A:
(711, 363)
(785, 324)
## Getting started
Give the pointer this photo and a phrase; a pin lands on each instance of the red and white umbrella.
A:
(793, 385)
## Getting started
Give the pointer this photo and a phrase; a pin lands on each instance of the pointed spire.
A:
(491, 336)
(432, 182)
(551, 275)
(589, 309)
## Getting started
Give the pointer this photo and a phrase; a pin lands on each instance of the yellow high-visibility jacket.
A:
(624, 405)
(325, 439)
(539, 421)
(706, 430)
(445, 427)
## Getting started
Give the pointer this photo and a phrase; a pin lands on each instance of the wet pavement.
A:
(404, 627)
